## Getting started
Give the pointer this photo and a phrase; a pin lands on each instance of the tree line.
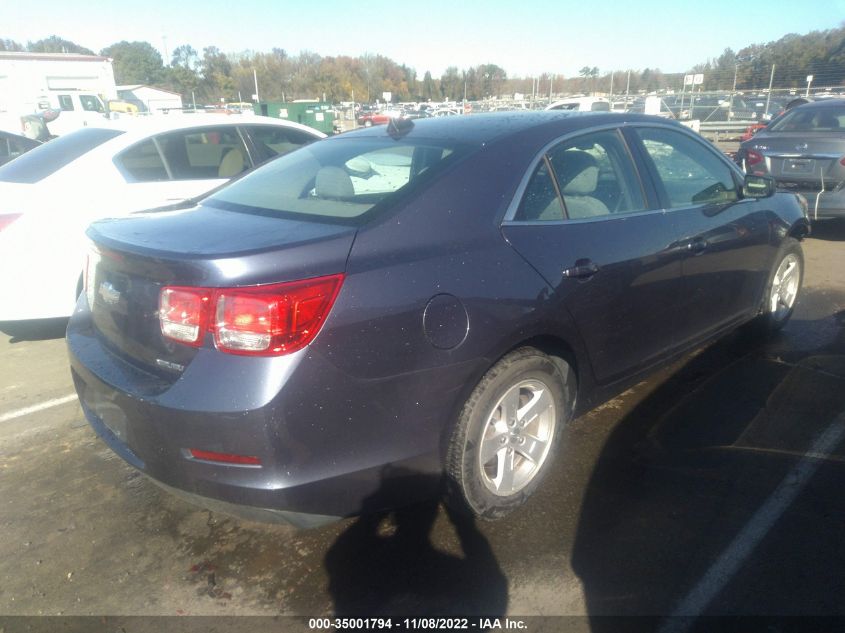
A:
(211, 75)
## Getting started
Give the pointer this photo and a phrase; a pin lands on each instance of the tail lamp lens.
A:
(752, 157)
(182, 314)
(7, 218)
(262, 320)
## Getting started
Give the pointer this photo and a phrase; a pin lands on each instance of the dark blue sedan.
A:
(435, 297)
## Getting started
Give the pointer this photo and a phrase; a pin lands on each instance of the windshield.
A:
(814, 119)
(47, 159)
(341, 178)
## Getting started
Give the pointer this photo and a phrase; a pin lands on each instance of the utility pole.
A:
(551, 82)
(627, 86)
(611, 88)
(769, 95)
(733, 92)
(255, 79)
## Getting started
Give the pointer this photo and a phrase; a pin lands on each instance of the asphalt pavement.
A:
(712, 488)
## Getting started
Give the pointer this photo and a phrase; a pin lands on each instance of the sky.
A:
(526, 38)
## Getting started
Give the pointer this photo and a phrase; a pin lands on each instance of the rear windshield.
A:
(47, 159)
(340, 179)
(825, 119)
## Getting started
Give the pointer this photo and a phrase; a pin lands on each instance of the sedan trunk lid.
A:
(134, 258)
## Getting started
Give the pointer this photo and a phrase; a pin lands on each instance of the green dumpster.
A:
(316, 114)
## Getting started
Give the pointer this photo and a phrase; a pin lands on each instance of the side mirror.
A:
(758, 186)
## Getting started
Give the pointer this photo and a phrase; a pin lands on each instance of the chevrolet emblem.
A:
(109, 293)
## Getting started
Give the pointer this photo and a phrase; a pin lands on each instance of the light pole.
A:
(733, 92)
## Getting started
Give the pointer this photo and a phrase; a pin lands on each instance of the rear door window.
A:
(66, 103)
(690, 173)
(204, 153)
(593, 174)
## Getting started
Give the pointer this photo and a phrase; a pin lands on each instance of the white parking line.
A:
(732, 559)
(19, 413)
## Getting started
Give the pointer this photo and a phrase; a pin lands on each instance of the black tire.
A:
(523, 374)
(770, 320)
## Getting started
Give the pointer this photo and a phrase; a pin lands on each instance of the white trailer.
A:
(78, 86)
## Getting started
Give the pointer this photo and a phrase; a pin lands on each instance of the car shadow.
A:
(831, 230)
(385, 564)
(34, 330)
(691, 466)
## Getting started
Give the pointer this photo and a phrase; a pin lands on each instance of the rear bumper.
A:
(823, 204)
(314, 467)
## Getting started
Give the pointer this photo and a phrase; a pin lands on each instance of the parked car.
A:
(13, 145)
(441, 112)
(581, 104)
(50, 194)
(804, 151)
(437, 297)
(368, 119)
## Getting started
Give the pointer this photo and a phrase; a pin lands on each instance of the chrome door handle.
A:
(697, 246)
(583, 269)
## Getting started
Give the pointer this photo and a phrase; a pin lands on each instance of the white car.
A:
(581, 104)
(49, 195)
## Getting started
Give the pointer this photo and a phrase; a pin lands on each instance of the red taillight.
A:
(261, 320)
(842, 161)
(182, 313)
(752, 157)
(7, 219)
(225, 458)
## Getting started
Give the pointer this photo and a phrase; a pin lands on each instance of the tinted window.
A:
(540, 201)
(826, 119)
(46, 159)
(691, 173)
(340, 179)
(566, 106)
(65, 102)
(595, 176)
(276, 141)
(205, 153)
(142, 163)
(600, 106)
(13, 146)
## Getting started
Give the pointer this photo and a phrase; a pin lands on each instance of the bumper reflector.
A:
(224, 458)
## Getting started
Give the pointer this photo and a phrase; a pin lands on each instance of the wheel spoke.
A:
(510, 406)
(539, 402)
(491, 446)
(533, 448)
(506, 472)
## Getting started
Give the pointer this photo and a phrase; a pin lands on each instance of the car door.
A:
(725, 238)
(589, 225)
(174, 166)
